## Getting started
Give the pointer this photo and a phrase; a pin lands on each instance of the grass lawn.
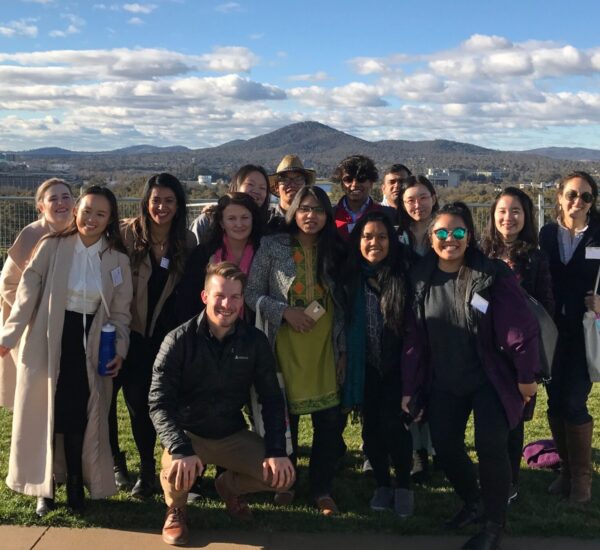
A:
(534, 513)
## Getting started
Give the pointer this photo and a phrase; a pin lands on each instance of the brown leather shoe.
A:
(236, 505)
(175, 530)
(326, 506)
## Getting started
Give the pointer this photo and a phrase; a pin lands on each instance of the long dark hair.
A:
(593, 212)
(390, 275)
(329, 244)
(112, 234)
(492, 243)
(141, 226)
(404, 218)
(214, 237)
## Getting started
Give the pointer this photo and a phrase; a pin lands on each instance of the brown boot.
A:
(579, 439)
(561, 486)
(175, 530)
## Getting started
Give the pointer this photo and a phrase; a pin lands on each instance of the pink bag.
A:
(541, 454)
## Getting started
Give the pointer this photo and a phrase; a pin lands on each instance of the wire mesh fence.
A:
(17, 212)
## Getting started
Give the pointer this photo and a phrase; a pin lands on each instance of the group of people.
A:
(395, 310)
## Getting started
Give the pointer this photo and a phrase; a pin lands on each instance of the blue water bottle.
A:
(107, 348)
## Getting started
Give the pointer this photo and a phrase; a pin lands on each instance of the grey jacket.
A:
(272, 273)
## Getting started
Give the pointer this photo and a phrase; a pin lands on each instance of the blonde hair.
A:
(45, 185)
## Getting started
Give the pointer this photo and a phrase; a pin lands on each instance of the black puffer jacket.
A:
(200, 386)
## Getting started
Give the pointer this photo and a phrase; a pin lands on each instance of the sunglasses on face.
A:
(349, 179)
(586, 196)
(458, 233)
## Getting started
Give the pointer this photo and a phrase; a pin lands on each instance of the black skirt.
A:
(72, 389)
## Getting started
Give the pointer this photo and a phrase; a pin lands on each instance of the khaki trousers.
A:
(241, 454)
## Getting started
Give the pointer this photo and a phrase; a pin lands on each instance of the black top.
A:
(156, 283)
(571, 282)
(200, 385)
(454, 359)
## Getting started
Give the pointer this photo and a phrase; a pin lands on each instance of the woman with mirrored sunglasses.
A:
(511, 236)
(570, 243)
(465, 307)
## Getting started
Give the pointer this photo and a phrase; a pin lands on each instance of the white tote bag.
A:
(256, 407)
(591, 333)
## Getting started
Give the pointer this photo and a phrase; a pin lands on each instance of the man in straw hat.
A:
(284, 183)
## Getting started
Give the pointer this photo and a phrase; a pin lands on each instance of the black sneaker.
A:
(487, 539)
(468, 514)
(144, 488)
(195, 493)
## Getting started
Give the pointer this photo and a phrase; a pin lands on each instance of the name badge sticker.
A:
(480, 303)
(116, 276)
(592, 252)
(164, 263)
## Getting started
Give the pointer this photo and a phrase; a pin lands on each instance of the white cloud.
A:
(140, 8)
(314, 77)
(21, 27)
(74, 27)
(135, 21)
(38, 1)
(229, 7)
(355, 94)
(229, 59)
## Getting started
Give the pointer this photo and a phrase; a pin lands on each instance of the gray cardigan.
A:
(272, 273)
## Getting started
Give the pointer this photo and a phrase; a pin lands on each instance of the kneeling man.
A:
(200, 382)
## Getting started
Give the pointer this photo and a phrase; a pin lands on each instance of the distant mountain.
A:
(147, 149)
(321, 147)
(49, 152)
(567, 153)
(132, 150)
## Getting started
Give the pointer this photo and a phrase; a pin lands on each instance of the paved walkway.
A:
(57, 538)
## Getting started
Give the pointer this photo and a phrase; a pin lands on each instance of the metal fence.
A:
(17, 212)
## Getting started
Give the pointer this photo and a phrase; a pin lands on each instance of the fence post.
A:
(540, 211)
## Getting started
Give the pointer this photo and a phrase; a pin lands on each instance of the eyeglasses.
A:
(305, 209)
(359, 179)
(458, 233)
(413, 200)
(586, 196)
(296, 181)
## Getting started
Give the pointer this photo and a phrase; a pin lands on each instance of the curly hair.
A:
(356, 166)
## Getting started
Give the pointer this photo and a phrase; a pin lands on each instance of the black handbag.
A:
(548, 336)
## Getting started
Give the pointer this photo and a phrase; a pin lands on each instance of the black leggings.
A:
(448, 416)
(385, 437)
(135, 379)
(325, 449)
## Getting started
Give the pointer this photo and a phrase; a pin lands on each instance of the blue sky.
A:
(101, 75)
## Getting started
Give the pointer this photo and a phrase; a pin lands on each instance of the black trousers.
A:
(448, 416)
(72, 389)
(135, 379)
(324, 451)
(385, 438)
(570, 386)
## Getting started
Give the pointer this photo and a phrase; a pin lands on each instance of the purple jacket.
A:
(507, 334)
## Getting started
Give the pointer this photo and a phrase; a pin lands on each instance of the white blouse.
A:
(83, 294)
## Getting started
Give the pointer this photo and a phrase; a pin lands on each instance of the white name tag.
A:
(164, 263)
(592, 252)
(116, 276)
(479, 303)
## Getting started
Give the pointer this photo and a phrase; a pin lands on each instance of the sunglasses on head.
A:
(586, 196)
(458, 233)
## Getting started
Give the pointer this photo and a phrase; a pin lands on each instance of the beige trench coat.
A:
(38, 315)
(16, 261)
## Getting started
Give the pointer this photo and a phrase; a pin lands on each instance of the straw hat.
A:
(290, 163)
